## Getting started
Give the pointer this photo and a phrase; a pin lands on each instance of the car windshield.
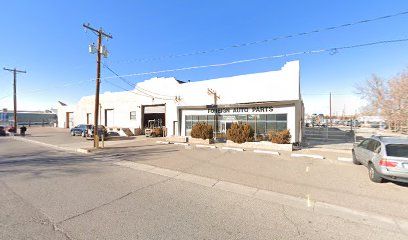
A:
(397, 150)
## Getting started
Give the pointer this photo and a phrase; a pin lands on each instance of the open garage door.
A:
(154, 112)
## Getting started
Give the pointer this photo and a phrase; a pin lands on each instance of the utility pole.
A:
(331, 122)
(100, 50)
(15, 71)
(214, 93)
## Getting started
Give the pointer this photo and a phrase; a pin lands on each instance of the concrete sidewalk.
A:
(59, 138)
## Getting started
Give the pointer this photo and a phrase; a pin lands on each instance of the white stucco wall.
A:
(273, 86)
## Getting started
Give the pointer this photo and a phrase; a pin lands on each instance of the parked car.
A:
(355, 123)
(101, 132)
(385, 158)
(80, 130)
(2, 131)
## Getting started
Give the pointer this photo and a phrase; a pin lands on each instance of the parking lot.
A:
(327, 180)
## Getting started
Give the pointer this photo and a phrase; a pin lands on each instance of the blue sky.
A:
(47, 39)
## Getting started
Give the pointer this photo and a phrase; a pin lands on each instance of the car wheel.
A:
(72, 133)
(373, 174)
(83, 134)
(355, 161)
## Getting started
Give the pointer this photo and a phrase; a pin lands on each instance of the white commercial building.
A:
(267, 100)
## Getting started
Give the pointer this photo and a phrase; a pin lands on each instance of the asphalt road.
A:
(48, 194)
(334, 182)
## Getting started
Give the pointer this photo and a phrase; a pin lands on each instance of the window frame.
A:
(130, 115)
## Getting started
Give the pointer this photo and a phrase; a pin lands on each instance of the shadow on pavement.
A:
(137, 153)
(47, 165)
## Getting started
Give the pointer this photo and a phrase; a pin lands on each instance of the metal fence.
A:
(328, 135)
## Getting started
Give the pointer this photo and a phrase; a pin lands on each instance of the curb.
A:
(162, 142)
(344, 159)
(367, 218)
(205, 146)
(233, 149)
(181, 144)
(266, 152)
(307, 155)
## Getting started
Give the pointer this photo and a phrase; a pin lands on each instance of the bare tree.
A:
(374, 91)
(387, 98)
(396, 104)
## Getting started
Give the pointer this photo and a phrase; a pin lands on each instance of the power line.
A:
(137, 87)
(318, 30)
(332, 51)
(131, 91)
(4, 97)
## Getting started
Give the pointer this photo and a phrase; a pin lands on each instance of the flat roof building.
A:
(266, 100)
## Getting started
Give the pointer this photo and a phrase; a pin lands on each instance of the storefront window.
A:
(260, 123)
(276, 122)
(281, 117)
(242, 118)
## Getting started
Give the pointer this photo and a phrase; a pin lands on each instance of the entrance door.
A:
(89, 119)
(69, 120)
(225, 125)
(175, 128)
(109, 120)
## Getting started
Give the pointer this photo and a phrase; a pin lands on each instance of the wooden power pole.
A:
(331, 123)
(15, 71)
(100, 50)
(216, 97)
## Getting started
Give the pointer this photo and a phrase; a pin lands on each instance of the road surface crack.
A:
(290, 220)
(114, 200)
(54, 225)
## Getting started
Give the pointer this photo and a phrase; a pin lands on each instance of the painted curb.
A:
(344, 159)
(266, 152)
(233, 149)
(162, 142)
(205, 146)
(181, 144)
(307, 155)
(82, 150)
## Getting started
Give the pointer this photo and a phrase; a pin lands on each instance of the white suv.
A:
(385, 158)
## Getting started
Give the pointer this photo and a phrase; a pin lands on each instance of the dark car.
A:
(2, 131)
(80, 130)
(101, 132)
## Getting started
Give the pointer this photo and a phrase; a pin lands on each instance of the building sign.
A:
(249, 110)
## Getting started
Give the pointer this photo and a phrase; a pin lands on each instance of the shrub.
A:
(280, 137)
(202, 130)
(240, 133)
(138, 131)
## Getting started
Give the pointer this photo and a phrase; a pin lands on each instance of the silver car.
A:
(385, 158)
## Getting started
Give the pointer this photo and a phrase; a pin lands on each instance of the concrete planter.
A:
(262, 145)
(200, 141)
(180, 139)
